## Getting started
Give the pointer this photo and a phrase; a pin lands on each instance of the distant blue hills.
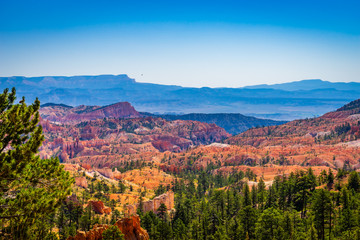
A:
(287, 101)
(310, 84)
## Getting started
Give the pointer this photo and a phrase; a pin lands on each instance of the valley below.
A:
(133, 162)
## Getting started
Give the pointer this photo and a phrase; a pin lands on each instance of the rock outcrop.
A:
(94, 234)
(130, 227)
(109, 173)
(99, 207)
(81, 182)
(153, 205)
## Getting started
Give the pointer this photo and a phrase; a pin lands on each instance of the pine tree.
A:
(347, 219)
(141, 205)
(312, 233)
(221, 234)
(288, 226)
(261, 193)
(30, 187)
(248, 220)
(164, 231)
(234, 230)
(179, 230)
(254, 196)
(321, 208)
(354, 181)
(312, 179)
(330, 179)
(302, 189)
(112, 233)
(268, 225)
(161, 212)
(247, 197)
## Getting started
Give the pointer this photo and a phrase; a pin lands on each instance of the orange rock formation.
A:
(81, 182)
(153, 205)
(130, 227)
(99, 207)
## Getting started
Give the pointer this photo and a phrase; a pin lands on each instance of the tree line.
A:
(298, 206)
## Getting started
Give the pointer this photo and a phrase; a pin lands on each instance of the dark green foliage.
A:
(161, 212)
(293, 207)
(342, 128)
(130, 165)
(321, 208)
(121, 187)
(31, 188)
(268, 225)
(354, 181)
(112, 233)
(347, 220)
(247, 217)
(179, 230)
(160, 190)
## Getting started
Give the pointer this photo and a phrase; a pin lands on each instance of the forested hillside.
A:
(298, 206)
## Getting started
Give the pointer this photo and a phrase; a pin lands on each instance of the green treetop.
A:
(31, 188)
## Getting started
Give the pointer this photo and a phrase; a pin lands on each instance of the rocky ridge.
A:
(61, 113)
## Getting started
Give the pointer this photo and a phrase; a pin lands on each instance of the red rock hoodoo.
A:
(130, 227)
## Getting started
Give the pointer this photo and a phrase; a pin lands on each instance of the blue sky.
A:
(188, 43)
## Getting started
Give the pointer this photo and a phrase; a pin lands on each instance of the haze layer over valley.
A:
(286, 101)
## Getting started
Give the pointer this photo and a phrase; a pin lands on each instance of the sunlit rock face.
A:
(130, 227)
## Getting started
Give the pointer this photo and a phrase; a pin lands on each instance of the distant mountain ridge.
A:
(310, 84)
(55, 105)
(286, 101)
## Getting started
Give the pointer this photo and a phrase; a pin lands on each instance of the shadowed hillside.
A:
(233, 123)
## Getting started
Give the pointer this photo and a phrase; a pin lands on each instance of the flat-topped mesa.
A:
(61, 114)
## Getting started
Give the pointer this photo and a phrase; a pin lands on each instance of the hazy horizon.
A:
(169, 84)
